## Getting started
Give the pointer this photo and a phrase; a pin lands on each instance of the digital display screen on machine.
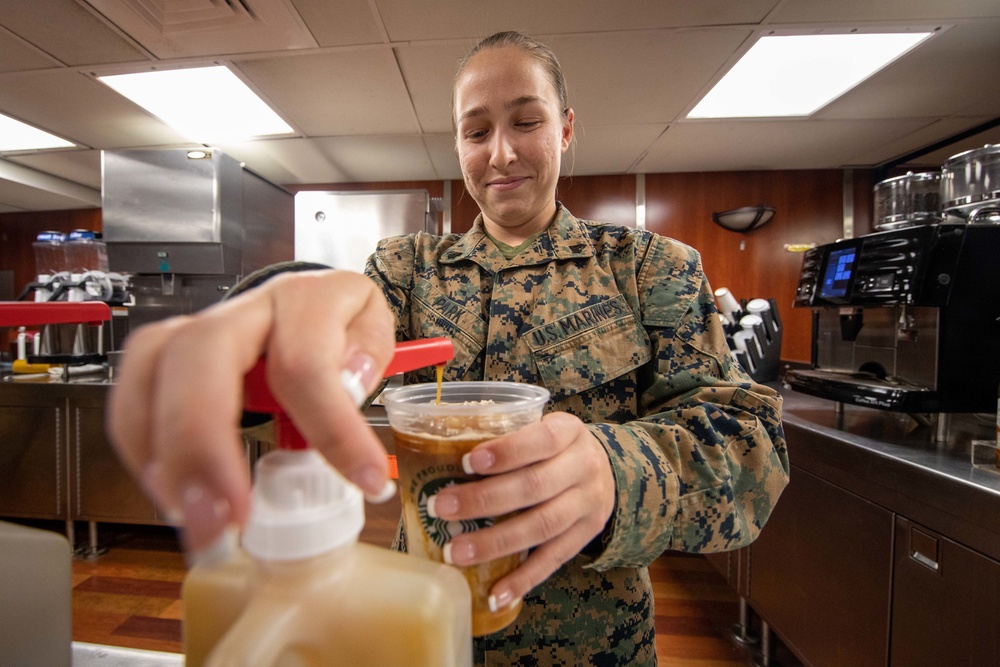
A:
(837, 273)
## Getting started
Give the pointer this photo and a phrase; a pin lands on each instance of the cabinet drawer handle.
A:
(925, 549)
(926, 561)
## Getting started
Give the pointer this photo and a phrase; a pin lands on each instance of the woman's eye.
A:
(475, 134)
(527, 124)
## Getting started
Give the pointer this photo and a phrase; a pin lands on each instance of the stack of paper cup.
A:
(728, 305)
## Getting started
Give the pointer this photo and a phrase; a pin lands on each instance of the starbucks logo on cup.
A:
(442, 531)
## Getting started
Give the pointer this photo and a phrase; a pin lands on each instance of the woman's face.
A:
(510, 140)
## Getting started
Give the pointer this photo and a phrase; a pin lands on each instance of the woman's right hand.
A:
(174, 413)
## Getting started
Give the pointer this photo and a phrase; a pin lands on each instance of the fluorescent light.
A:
(795, 75)
(206, 104)
(18, 136)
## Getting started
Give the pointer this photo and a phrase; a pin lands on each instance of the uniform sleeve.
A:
(704, 465)
(391, 267)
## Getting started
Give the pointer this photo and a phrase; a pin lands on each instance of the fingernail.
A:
(478, 460)
(501, 600)
(204, 517)
(460, 554)
(387, 492)
(441, 506)
(358, 377)
(374, 483)
(218, 551)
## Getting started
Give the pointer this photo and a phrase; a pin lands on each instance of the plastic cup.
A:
(430, 440)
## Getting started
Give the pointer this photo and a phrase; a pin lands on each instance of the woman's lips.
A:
(504, 184)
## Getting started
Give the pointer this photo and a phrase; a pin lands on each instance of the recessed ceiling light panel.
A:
(18, 136)
(206, 104)
(796, 75)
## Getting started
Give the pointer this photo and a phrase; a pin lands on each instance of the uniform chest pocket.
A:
(588, 347)
(434, 313)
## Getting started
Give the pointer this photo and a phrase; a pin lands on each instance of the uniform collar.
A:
(565, 238)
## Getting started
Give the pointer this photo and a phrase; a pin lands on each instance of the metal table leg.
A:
(93, 548)
(741, 632)
(765, 657)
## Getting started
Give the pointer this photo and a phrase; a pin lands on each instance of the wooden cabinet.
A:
(945, 602)
(33, 459)
(884, 549)
(102, 489)
(56, 461)
(820, 574)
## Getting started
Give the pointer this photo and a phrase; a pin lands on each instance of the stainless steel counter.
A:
(896, 462)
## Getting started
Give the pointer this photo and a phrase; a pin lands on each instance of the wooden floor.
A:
(130, 596)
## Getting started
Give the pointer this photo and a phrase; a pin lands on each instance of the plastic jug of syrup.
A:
(302, 590)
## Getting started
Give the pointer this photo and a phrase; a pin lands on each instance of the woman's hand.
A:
(174, 413)
(558, 474)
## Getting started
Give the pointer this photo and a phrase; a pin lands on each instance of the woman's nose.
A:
(502, 151)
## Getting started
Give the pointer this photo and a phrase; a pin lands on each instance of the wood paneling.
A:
(864, 200)
(602, 198)
(463, 208)
(808, 209)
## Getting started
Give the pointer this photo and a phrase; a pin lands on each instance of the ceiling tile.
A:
(642, 77)
(341, 23)
(927, 135)
(21, 197)
(16, 55)
(379, 158)
(429, 70)
(753, 145)
(858, 11)
(81, 109)
(600, 149)
(67, 31)
(441, 148)
(341, 93)
(943, 77)
(287, 161)
(608, 75)
(406, 20)
(79, 166)
(193, 28)
(940, 156)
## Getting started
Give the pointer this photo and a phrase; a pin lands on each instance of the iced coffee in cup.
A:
(430, 439)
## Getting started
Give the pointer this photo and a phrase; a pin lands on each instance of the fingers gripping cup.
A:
(430, 440)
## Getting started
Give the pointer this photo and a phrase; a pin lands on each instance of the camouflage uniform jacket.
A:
(621, 327)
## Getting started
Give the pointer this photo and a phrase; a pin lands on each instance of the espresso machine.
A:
(905, 319)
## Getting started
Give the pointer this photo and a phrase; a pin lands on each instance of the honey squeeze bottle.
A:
(303, 591)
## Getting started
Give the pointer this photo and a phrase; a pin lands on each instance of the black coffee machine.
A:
(905, 319)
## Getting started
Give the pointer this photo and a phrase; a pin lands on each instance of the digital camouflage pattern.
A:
(621, 327)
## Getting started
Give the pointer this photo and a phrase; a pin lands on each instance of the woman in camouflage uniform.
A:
(653, 440)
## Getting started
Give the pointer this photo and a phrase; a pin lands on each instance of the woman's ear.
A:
(567, 129)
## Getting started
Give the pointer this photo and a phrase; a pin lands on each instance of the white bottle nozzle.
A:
(301, 507)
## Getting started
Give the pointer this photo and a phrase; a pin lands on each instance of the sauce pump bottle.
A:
(303, 591)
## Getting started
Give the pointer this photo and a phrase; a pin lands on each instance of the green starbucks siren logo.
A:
(442, 531)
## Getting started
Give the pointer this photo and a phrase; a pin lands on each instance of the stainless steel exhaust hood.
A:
(185, 230)
(167, 212)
